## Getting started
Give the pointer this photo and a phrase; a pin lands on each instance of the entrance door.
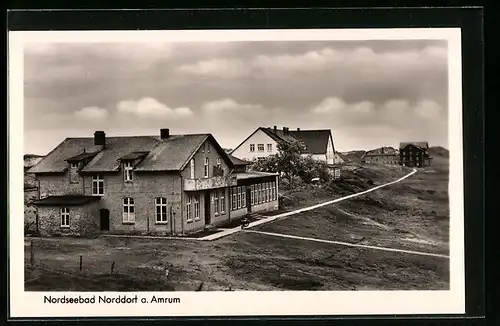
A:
(104, 214)
(207, 208)
(249, 198)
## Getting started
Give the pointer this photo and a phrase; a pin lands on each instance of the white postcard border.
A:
(30, 304)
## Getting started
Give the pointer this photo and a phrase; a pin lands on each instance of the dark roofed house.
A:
(166, 184)
(414, 154)
(264, 141)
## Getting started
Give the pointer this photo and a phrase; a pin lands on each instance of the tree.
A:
(290, 163)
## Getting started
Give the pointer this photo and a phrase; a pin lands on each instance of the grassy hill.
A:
(353, 156)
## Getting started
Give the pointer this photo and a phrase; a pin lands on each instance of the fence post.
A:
(32, 254)
(81, 262)
(112, 267)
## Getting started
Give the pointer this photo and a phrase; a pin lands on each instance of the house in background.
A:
(263, 142)
(382, 155)
(414, 154)
(166, 184)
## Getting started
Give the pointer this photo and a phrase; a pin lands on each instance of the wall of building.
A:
(83, 220)
(330, 153)
(243, 151)
(57, 184)
(144, 189)
(199, 161)
(30, 210)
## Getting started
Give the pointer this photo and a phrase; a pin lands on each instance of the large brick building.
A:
(166, 184)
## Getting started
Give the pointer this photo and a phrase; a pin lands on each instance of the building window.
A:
(196, 209)
(260, 147)
(234, 202)
(218, 162)
(243, 197)
(97, 185)
(273, 185)
(267, 191)
(128, 171)
(189, 213)
(252, 147)
(216, 203)
(222, 202)
(252, 194)
(259, 193)
(128, 210)
(207, 162)
(239, 197)
(192, 168)
(65, 217)
(208, 147)
(269, 147)
(74, 165)
(161, 210)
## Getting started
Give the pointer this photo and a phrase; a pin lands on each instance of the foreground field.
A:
(412, 215)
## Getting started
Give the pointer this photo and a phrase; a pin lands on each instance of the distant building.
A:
(263, 142)
(414, 154)
(382, 155)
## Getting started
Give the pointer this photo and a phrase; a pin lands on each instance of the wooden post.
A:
(112, 267)
(32, 255)
(81, 261)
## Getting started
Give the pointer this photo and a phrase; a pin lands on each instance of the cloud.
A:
(337, 105)
(314, 60)
(222, 68)
(395, 112)
(92, 113)
(228, 105)
(149, 106)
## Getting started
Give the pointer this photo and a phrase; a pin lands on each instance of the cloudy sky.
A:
(369, 93)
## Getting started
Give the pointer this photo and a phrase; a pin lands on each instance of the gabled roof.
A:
(81, 157)
(133, 156)
(420, 144)
(237, 161)
(171, 154)
(315, 141)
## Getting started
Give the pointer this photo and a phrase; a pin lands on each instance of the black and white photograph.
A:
(305, 166)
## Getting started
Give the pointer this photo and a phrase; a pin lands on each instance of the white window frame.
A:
(260, 147)
(128, 206)
(192, 166)
(97, 180)
(215, 195)
(196, 208)
(238, 197)
(64, 212)
(161, 205)
(252, 147)
(269, 147)
(127, 171)
(74, 165)
(206, 167)
(189, 215)
(222, 199)
(234, 199)
(243, 197)
(218, 162)
(252, 194)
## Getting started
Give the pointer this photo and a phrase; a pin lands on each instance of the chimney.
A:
(275, 129)
(100, 138)
(298, 129)
(285, 130)
(164, 133)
